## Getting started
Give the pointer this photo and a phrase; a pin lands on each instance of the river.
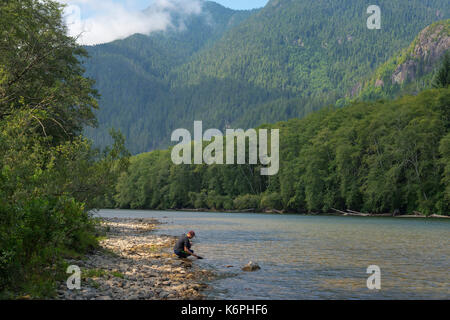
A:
(314, 257)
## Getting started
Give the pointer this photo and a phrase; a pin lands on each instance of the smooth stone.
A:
(251, 266)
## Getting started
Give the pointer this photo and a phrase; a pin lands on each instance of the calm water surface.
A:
(314, 257)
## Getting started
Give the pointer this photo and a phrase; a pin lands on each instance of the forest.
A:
(50, 175)
(285, 60)
(371, 156)
(375, 157)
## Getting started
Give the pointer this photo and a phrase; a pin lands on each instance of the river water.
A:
(314, 257)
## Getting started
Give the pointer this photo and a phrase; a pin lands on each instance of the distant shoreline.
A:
(272, 211)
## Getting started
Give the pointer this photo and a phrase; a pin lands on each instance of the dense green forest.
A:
(376, 157)
(131, 75)
(242, 68)
(247, 68)
(50, 175)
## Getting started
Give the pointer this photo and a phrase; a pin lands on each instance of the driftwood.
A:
(423, 216)
(344, 213)
(351, 212)
(370, 214)
(360, 214)
(439, 216)
(273, 211)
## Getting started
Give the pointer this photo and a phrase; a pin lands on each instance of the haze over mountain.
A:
(244, 68)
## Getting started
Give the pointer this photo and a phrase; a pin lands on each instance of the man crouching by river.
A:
(183, 246)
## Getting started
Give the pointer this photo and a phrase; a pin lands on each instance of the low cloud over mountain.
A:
(95, 22)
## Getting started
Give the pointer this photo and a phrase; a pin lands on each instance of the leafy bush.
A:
(271, 201)
(247, 201)
(34, 234)
(50, 175)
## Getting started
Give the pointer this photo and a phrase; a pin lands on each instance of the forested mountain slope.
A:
(131, 74)
(283, 61)
(411, 70)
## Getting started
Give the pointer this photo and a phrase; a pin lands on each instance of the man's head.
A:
(191, 234)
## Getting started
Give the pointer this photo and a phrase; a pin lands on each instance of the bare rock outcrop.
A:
(430, 45)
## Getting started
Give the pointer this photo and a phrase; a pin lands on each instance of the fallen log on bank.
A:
(356, 213)
(439, 216)
(343, 212)
(273, 211)
(349, 212)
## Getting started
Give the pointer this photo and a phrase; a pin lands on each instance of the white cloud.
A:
(100, 21)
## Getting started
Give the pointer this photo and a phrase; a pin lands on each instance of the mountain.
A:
(283, 61)
(411, 70)
(131, 74)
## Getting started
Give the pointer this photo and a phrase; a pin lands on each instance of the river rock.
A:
(142, 276)
(251, 266)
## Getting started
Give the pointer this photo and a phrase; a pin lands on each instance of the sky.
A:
(101, 21)
(233, 4)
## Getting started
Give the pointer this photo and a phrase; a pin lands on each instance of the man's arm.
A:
(186, 249)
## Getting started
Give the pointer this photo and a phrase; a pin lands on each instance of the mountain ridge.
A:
(411, 70)
(285, 60)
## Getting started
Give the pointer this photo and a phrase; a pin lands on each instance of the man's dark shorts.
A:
(182, 254)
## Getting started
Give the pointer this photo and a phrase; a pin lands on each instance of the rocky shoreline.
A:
(133, 263)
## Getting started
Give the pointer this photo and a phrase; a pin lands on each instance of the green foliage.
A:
(271, 200)
(50, 177)
(47, 192)
(33, 234)
(247, 201)
(445, 161)
(246, 68)
(371, 157)
(442, 78)
(132, 75)
(41, 70)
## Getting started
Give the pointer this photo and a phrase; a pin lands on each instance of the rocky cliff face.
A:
(430, 45)
(411, 70)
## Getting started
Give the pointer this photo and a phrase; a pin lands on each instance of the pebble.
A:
(133, 271)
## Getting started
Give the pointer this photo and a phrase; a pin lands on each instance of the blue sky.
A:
(243, 4)
(233, 4)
